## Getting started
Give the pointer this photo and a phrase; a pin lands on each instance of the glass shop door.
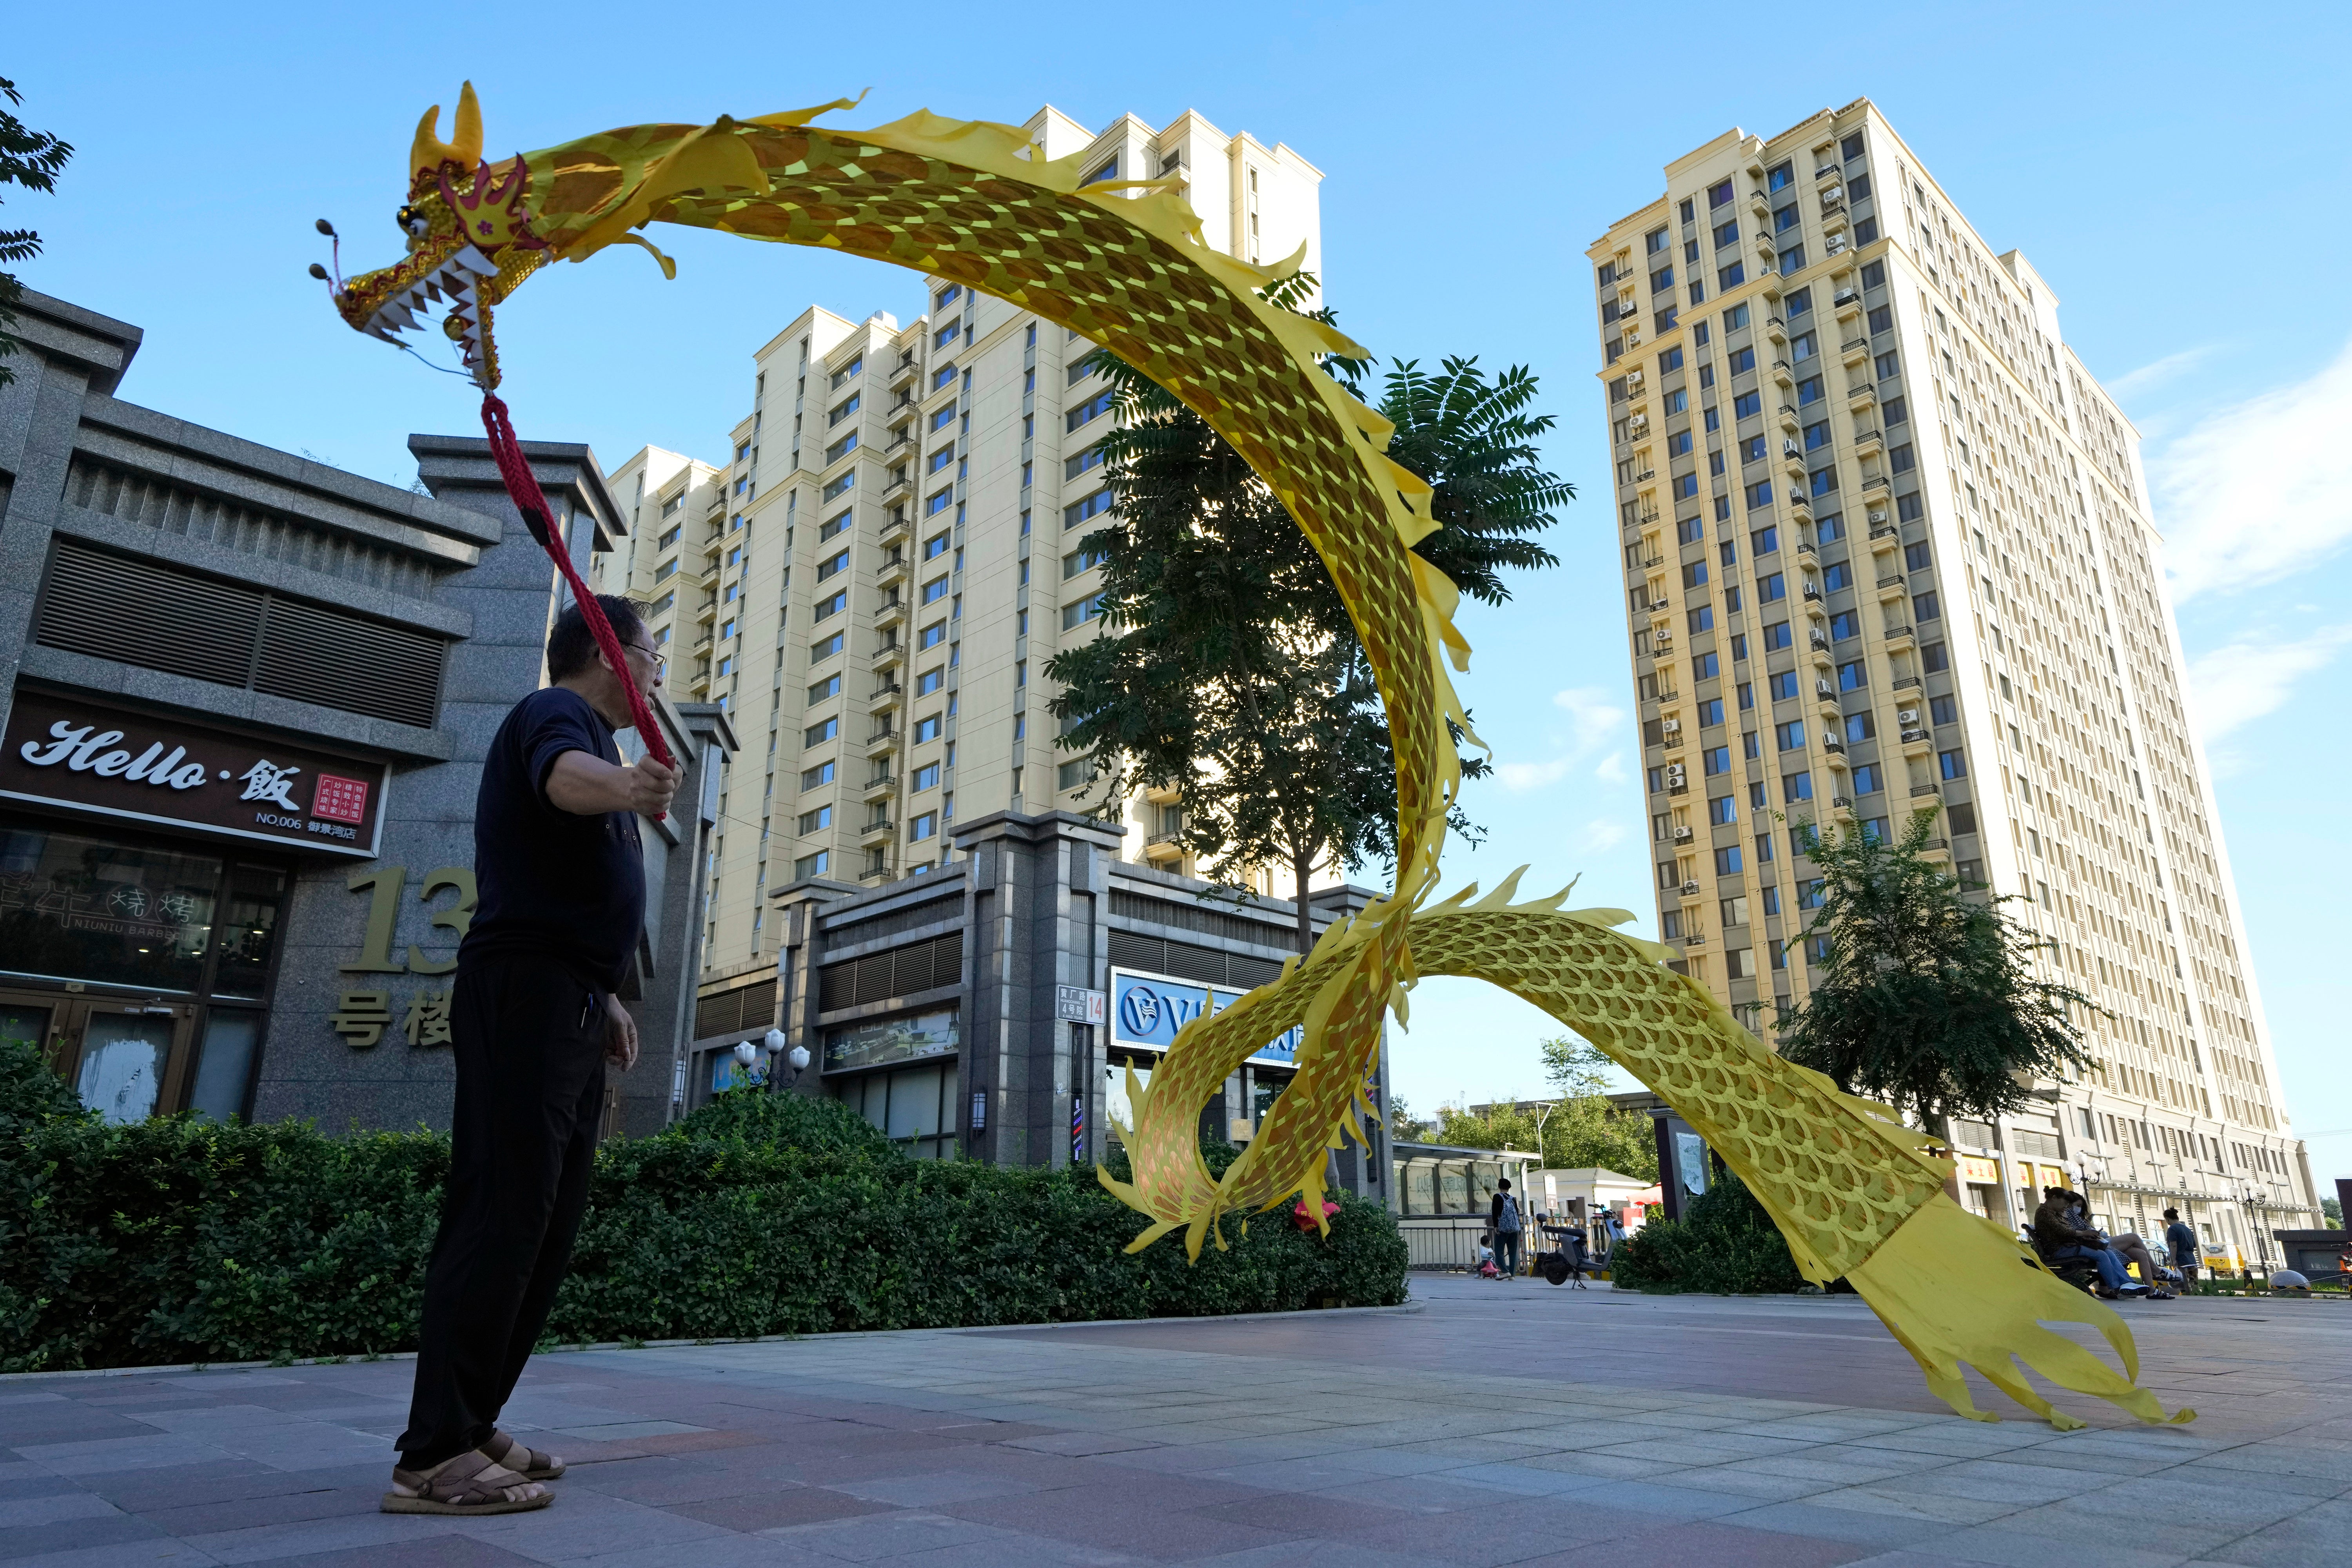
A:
(125, 1059)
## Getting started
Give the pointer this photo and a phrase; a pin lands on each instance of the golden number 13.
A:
(383, 913)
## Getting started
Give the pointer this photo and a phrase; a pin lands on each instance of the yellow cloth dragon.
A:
(1857, 1194)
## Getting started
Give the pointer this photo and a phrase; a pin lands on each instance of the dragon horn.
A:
(429, 151)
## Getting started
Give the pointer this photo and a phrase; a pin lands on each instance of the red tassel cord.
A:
(523, 487)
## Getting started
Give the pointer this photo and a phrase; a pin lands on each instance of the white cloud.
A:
(1594, 722)
(1600, 833)
(2239, 682)
(2260, 489)
(1519, 777)
(1596, 719)
(2156, 372)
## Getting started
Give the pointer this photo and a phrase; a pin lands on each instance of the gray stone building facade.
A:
(246, 696)
(990, 1008)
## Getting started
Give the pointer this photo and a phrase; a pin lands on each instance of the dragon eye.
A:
(409, 220)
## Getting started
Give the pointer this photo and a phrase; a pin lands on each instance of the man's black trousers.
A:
(529, 1043)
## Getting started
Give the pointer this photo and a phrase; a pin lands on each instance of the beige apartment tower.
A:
(1887, 544)
(873, 588)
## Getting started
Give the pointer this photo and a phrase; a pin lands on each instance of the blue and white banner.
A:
(1147, 1011)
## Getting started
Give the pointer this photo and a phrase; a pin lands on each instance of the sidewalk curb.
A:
(196, 1368)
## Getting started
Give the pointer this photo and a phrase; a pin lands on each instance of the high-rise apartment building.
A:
(873, 588)
(1887, 545)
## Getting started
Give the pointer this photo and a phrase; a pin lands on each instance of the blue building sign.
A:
(1149, 1011)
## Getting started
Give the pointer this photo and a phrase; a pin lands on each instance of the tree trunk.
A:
(1936, 1122)
(1302, 867)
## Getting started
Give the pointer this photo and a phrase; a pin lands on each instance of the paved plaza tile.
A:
(1486, 1424)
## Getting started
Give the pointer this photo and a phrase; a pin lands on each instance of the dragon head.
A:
(468, 224)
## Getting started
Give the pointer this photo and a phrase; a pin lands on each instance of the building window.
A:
(825, 648)
(1741, 361)
(926, 777)
(841, 486)
(1779, 177)
(1719, 195)
(922, 828)
(1092, 408)
(1717, 759)
(1080, 613)
(1953, 765)
(1792, 259)
(1796, 787)
(832, 607)
(1852, 677)
(1924, 607)
(1776, 637)
(1092, 506)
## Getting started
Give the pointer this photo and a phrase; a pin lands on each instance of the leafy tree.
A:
(1230, 670)
(31, 159)
(1928, 999)
(2333, 1209)
(1581, 1128)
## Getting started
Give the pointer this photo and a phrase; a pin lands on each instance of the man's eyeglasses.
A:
(659, 659)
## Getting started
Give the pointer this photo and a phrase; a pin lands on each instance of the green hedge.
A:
(1724, 1245)
(179, 1239)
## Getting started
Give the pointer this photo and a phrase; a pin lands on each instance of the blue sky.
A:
(2173, 179)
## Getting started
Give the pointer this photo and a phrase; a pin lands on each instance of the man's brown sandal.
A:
(527, 1463)
(471, 1483)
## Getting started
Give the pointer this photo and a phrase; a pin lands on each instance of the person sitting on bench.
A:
(2059, 1237)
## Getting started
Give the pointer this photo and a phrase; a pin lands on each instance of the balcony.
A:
(1827, 172)
(892, 572)
(1682, 834)
(885, 738)
(1841, 803)
(1805, 547)
(1891, 587)
(1690, 890)
(880, 785)
(891, 525)
(1776, 329)
(1813, 594)
(1853, 351)
(1789, 424)
(1897, 632)
(1164, 847)
(1917, 742)
(1653, 562)
(1645, 475)
(1821, 642)
(1163, 795)
(881, 828)
(1907, 683)
(876, 874)
(1760, 203)
(1861, 396)
(1873, 483)
(1696, 939)
(1920, 791)
(888, 695)
(890, 612)
(904, 371)
(888, 654)
(1782, 374)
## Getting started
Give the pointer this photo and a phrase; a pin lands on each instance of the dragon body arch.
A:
(1123, 264)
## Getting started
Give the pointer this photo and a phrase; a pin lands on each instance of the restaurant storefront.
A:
(145, 866)
(240, 738)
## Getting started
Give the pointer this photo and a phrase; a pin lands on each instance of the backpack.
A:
(1509, 1221)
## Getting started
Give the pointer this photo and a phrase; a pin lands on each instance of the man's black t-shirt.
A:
(550, 882)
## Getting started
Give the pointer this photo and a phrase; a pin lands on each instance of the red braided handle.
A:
(523, 486)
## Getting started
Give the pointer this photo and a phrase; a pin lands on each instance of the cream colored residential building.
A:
(874, 583)
(1888, 544)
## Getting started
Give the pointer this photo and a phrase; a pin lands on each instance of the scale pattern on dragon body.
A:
(1123, 264)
